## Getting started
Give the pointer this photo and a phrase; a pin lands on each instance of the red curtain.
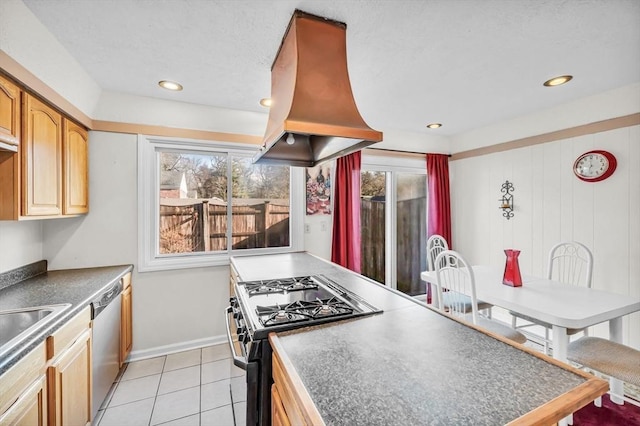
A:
(439, 210)
(439, 201)
(345, 247)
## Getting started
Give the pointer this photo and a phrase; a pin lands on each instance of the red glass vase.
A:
(512, 275)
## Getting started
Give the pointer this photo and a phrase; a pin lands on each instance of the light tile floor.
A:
(188, 388)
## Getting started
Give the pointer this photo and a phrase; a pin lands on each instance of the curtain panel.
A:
(439, 201)
(439, 209)
(345, 246)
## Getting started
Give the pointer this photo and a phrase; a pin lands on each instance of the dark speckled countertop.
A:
(409, 365)
(77, 287)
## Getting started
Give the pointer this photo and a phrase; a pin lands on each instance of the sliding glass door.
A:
(411, 232)
(372, 224)
(393, 218)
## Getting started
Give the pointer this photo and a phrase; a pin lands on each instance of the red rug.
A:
(609, 414)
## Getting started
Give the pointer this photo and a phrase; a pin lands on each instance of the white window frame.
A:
(392, 166)
(149, 259)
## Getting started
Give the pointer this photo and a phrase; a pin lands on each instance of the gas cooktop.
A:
(279, 285)
(287, 303)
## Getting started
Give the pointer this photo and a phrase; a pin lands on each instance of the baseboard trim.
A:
(175, 347)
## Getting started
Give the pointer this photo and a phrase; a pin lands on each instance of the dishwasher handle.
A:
(101, 302)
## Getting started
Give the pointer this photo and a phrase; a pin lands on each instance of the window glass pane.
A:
(186, 211)
(411, 214)
(372, 224)
(192, 186)
(260, 205)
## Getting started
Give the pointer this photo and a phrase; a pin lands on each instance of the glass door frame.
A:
(392, 166)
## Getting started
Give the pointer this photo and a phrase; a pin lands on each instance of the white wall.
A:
(172, 309)
(141, 110)
(552, 205)
(611, 104)
(20, 244)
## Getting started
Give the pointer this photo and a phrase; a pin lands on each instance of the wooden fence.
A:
(193, 225)
(372, 231)
(411, 242)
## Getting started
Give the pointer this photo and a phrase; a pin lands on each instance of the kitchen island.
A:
(408, 365)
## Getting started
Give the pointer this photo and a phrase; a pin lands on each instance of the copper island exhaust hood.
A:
(313, 116)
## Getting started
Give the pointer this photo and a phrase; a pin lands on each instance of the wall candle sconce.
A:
(506, 202)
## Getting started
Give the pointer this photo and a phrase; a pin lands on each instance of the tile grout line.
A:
(165, 363)
(155, 399)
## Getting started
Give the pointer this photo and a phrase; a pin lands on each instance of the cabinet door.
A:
(41, 151)
(30, 409)
(76, 171)
(278, 413)
(126, 330)
(70, 385)
(9, 112)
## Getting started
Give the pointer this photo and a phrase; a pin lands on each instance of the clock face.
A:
(594, 166)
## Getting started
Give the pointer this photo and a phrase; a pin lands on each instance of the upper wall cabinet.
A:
(41, 151)
(76, 171)
(9, 114)
(48, 176)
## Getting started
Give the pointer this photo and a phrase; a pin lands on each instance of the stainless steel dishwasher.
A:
(105, 312)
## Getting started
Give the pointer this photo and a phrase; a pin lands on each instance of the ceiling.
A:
(464, 63)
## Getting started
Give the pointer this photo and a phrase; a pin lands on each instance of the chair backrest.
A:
(436, 244)
(570, 263)
(456, 277)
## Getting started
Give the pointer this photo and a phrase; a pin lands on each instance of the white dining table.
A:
(561, 305)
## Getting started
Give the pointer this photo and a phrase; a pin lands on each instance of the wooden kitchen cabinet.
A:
(41, 151)
(284, 408)
(30, 409)
(48, 176)
(9, 112)
(69, 372)
(126, 320)
(23, 400)
(278, 413)
(75, 150)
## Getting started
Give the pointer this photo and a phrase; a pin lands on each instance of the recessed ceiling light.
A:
(434, 125)
(170, 85)
(557, 81)
(265, 102)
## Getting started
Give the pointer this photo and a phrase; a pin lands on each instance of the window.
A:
(201, 201)
(393, 218)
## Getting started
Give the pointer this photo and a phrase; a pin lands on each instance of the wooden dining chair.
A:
(568, 263)
(457, 291)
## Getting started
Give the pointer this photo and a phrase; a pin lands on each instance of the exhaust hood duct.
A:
(313, 116)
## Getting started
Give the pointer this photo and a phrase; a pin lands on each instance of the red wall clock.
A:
(594, 166)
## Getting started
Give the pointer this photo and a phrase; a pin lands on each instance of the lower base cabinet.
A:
(70, 385)
(69, 373)
(30, 409)
(126, 320)
(284, 409)
(278, 412)
(51, 385)
(291, 403)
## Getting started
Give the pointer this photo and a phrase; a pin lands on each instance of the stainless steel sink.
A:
(17, 324)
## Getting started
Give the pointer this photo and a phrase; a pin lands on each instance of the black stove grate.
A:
(279, 285)
(302, 311)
